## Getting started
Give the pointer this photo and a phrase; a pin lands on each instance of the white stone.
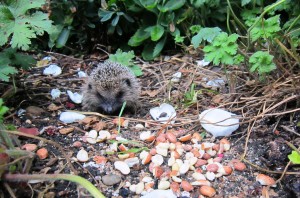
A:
(145, 135)
(75, 97)
(53, 70)
(202, 63)
(163, 113)
(139, 188)
(210, 176)
(176, 77)
(103, 135)
(216, 82)
(122, 167)
(184, 168)
(69, 117)
(139, 126)
(81, 74)
(198, 176)
(211, 120)
(82, 156)
(93, 134)
(147, 179)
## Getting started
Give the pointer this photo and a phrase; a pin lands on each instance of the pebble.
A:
(111, 179)
(82, 156)
(164, 185)
(160, 194)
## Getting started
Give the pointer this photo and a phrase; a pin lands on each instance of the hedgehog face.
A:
(108, 96)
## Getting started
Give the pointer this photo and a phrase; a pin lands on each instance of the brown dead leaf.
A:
(217, 99)
(151, 93)
(42, 63)
(89, 120)
(65, 131)
(100, 159)
(54, 107)
(99, 126)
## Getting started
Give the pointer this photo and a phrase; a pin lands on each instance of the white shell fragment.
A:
(75, 97)
(69, 117)
(212, 119)
(163, 113)
(55, 93)
(160, 194)
(122, 167)
(216, 82)
(202, 63)
(81, 74)
(176, 77)
(48, 58)
(82, 156)
(53, 70)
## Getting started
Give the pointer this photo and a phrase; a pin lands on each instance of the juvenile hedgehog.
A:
(108, 86)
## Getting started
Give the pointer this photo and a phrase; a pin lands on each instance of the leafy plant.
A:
(207, 34)
(190, 97)
(294, 157)
(222, 49)
(22, 26)
(3, 110)
(262, 62)
(125, 58)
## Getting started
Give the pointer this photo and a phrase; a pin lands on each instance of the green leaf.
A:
(238, 59)
(136, 70)
(245, 2)
(171, 5)
(115, 21)
(157, 32)
(124, 58)
(294, 157)
(159, 46)
(148, 51)
(15, 21)
(5, 71)
(249, 16)
(107, 16)
(266, 29)
(222, 49)
(195, 29)
(148, 4)
(63, 38)
(207, 34)
(198, 3)
(138, 38)
(261, 62)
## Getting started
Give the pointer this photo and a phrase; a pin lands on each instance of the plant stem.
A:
(294, 22)
(234, 16)
(120, 114)
(73, 178)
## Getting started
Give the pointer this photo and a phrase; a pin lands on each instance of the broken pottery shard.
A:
(163, 113)
(75, 97)
(69, 117)
(53, 70)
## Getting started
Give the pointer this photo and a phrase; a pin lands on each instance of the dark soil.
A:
(266, 146)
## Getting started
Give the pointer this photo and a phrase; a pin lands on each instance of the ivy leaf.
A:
(266, 29)
(207, 34)
(138, 38)
(222, 49)
(294, 157)
(23, 27)
(157, 32)
(262, 62)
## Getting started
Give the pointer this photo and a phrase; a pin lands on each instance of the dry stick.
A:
(269, 171)
(10, 191)
(48, 141)
(283, 173)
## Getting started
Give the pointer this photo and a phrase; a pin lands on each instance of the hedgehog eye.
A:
(127, 81)
(89, 86)
(120, 94)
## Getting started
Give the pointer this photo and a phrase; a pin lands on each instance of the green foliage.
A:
(262, 62)
(266, 29)
(125, 58)
(6, 70)
(190, 97)
(17, 22)
(3, 110)
(222, 49)
(207, 34)
(294, 157)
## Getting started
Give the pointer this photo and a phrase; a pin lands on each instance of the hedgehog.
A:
(108, 86)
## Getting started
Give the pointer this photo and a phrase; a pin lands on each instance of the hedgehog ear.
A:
(127, 81)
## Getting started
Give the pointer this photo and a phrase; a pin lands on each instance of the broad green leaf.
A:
(266, 28)
(171, 5)
(245, 2)
(138, 38)
(128, 18)
(249, 16)
(222, 49)
(294, 157)
(5, 71)
(148, 51)
(157, 32)
(107, 16)
(207, 34)
(63, 38)
(198, 3)
(149, 4)
(20, 25)
(124, 58)
(262, 62)
(195, 29)
(13, 58)
(159, 46)
(136, 70)
(115, 21)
